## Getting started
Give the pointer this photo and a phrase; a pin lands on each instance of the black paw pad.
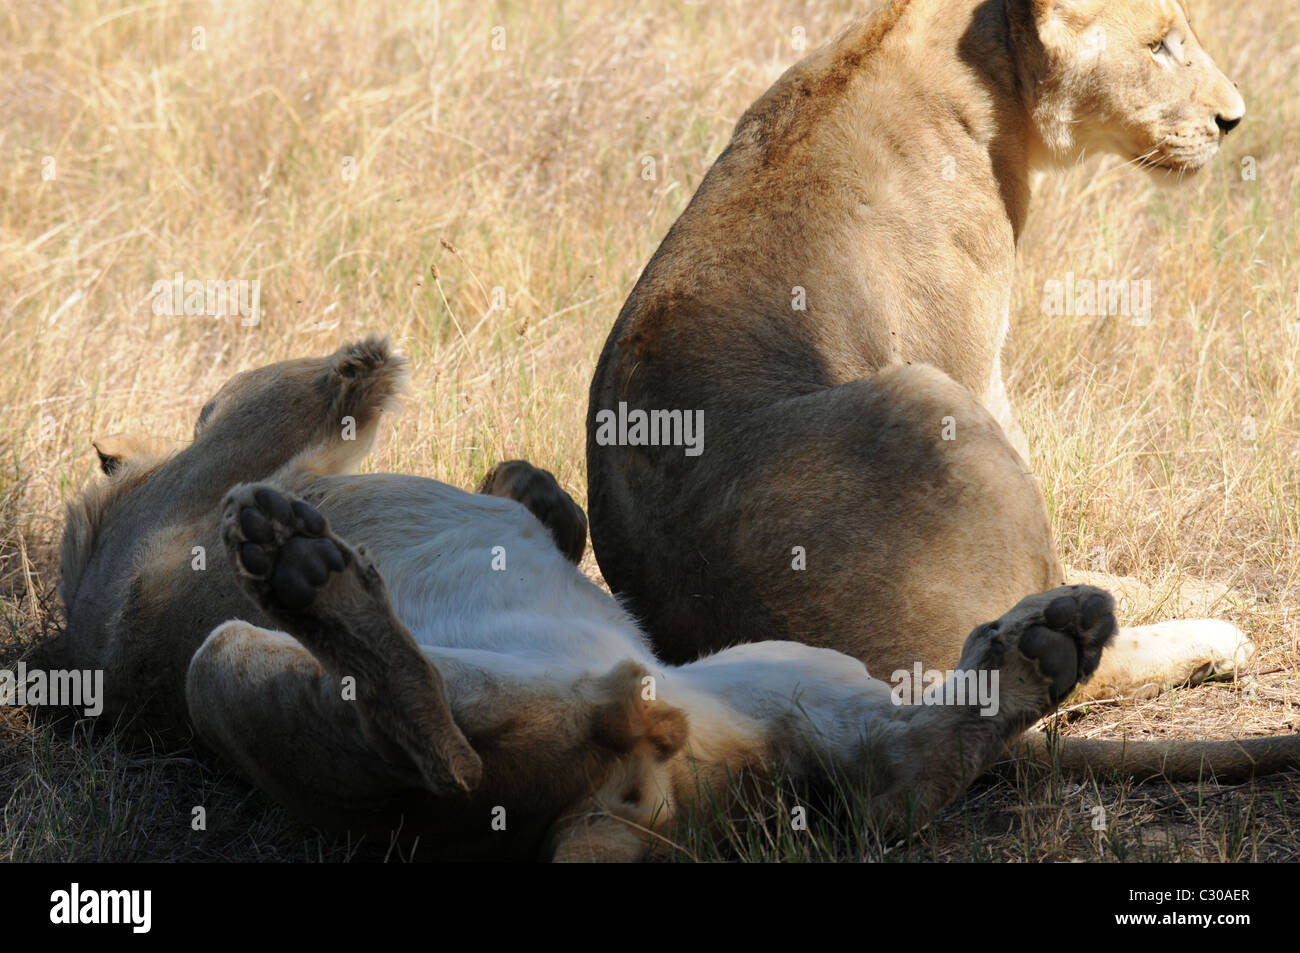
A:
(275, 506)
(255, 559)
(1057, 658)
(313, 524)
(293, 569)
(304, 566)
(291, 590)
(255, 527)
(1095, 608)
(1061, 613)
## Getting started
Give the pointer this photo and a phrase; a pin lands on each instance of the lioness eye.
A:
(1171, 46)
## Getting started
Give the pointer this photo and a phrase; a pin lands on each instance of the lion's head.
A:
(1124, 76)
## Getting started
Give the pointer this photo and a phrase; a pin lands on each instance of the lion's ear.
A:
(121, 448)
(109, 461)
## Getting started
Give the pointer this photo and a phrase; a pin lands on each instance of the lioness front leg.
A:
(332, 599)
(1039, 651)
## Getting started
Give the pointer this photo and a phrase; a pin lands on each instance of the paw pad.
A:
(284, 546)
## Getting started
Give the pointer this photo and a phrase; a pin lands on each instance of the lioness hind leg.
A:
(332, 599)
(818, 712)
(1039, 650)
(541, 493)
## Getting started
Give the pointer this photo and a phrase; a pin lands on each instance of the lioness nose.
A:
(1226, 123)
(1232, 108)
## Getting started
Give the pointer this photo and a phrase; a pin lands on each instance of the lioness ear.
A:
(109, 462)
(122, 448)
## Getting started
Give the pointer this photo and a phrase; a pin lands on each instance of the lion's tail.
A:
(1174, 760)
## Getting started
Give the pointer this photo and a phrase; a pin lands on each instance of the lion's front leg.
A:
(331, 599)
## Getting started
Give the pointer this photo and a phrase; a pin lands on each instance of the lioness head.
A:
(1126, 77)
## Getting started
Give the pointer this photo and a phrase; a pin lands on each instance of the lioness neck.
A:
(949, 71)
(921, 80)
(887, 174)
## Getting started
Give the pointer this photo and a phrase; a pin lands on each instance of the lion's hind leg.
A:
(1038, 652)
(818, 713)
(332, 600)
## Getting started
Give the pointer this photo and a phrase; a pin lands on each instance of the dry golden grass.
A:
(521, 170)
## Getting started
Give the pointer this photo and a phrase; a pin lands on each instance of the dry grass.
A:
(521, 170)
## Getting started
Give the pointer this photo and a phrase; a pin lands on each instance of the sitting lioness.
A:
(830, 310)
(382, 651)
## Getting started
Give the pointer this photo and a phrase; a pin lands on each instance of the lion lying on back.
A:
(386, 651)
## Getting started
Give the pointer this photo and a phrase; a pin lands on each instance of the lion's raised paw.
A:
(281, 546)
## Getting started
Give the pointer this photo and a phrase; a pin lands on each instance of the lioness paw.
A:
(538, 490)
(281, 546)
(1055, 639)
(332, 599)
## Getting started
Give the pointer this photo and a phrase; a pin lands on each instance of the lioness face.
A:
(1131, 78)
